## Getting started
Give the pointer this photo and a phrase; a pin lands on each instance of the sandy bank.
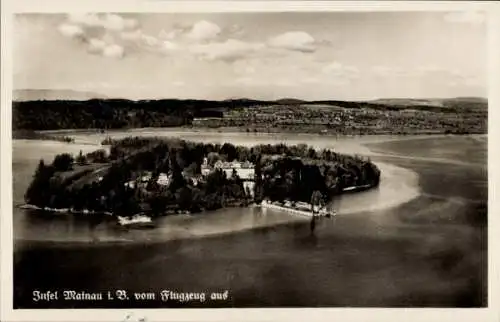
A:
(175, 227)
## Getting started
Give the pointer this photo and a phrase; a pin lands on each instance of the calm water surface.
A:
(418, 240)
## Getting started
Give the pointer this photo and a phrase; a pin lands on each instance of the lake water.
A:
(417, 240)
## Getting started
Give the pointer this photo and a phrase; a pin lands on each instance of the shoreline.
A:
(65, 211)
(71, 211)
(100, 242)
(175, 228)
(233, 130)
(290, 210)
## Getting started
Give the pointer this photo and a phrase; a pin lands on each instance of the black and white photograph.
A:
(257, 159)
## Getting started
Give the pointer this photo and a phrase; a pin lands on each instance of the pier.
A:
(321, 212)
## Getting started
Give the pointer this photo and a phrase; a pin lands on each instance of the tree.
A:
(301, 150)
(259, 187)
(192, 169)
(311, 153)
(196, 200)
(243, 153)
(178, 180)
(81, 159)
(230, 151)
(184, 197)
(152, 184)
(40, 168)
(38, 190)
(236, 190)
(316, 198)
(63, 162)
(158, 204)
(213, 201)
(235, 176)
(292, 185)
(248, 191)
(212, 158)
(98, 156)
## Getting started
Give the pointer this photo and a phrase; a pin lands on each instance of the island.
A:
(156, 176)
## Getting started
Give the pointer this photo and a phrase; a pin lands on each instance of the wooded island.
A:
(159, 176)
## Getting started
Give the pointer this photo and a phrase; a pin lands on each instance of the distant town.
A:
(331, 119)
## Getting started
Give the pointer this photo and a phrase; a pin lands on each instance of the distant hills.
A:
(430, 104)
(438, 102)
(290, 101)
(22, 95)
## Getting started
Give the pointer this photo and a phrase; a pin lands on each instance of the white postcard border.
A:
(492, 313)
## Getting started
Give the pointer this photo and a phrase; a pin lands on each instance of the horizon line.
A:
(99, 96)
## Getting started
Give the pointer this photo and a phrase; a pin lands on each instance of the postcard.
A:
(240, 160)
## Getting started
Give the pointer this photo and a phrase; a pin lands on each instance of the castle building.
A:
(245, 170)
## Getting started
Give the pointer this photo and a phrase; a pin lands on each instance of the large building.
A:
(245, 170)
(208, 121)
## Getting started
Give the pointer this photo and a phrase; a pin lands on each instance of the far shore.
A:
(238, 130)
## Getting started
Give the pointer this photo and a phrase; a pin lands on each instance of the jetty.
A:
(305, 209)
(322, 212)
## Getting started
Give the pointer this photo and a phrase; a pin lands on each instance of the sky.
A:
(313, 56)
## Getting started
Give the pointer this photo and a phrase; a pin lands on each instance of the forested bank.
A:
(335, 117)
(34, 135)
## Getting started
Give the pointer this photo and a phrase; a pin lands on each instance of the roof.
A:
(233, 164)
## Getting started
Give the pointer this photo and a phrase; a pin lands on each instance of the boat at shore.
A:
(300, 208)
(136, 221)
